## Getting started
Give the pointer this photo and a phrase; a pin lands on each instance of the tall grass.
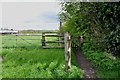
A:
(24, 55)
(26, 60)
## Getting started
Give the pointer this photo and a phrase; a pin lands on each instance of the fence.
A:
(49, 34)
(71, 42)
(20, 40)
(64, 41)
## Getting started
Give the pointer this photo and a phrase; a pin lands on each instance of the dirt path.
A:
(84, 64)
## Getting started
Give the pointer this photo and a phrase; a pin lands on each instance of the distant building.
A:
(8, 32)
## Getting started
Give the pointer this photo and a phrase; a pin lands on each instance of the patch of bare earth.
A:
(85, 65)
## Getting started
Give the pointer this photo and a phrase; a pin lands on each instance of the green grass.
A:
(26, 55)
(108, 74)
(27, 58)
(105, 67)
(31, 61)
(24, 41)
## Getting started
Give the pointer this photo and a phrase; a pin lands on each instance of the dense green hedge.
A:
(97, 21)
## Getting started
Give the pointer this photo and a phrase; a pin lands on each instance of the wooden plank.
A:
(54, 42)
(50, 32)
(53, 35)
(48, 47)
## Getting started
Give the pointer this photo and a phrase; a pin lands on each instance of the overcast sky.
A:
(24, 14)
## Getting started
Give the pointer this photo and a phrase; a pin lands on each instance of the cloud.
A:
(34, 15)
(50, 17)
(29, 0)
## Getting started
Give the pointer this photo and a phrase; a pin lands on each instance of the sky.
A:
(29, 14)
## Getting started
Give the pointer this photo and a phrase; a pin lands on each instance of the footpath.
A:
(85, 65)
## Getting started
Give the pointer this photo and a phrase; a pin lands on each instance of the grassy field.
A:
(23, 41)
(27, 59)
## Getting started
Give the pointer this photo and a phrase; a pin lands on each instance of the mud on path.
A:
(84, 64)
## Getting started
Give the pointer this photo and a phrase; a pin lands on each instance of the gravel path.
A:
(84, 64)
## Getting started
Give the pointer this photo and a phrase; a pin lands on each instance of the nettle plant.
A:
(42, 70)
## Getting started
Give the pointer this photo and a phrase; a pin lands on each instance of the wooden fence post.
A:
(67, 45)
(43, 39)
(60, 35)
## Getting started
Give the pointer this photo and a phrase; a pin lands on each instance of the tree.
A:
(98, 21)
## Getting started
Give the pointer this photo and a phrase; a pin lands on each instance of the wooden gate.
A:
(66, 42)
(52, 34)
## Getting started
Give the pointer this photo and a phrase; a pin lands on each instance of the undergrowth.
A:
(106, 65)
(30, 62)
(40, 70)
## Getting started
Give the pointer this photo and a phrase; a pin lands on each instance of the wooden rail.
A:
(67, 46)
(53, 35)
(54, 41)
(49, 47)
(18, 37)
